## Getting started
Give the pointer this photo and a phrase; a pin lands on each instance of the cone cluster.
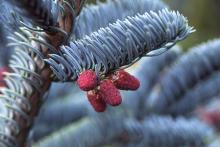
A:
(103, 91)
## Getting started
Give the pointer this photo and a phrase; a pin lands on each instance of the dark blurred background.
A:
(204, 15)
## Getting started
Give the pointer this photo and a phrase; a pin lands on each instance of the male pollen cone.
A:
(124, 81)
(96, 101)
(87, 80)
(110, 93)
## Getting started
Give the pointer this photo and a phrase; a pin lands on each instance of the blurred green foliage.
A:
(204, 15)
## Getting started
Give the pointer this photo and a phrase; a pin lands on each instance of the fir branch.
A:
(30, 78)
(42, 12)
(153, 131)
(94, 17)
(198, 64)
(59, 90)
(59, 113)
(56, 113)
(121, 44)
(65, 110)
(88, 132)
(166, 132)
(203, 92)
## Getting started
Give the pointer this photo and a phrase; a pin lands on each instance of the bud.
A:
(110, 93)
(96, 101)
(124, 81)
(87, 80)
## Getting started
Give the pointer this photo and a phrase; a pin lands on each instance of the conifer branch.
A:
(104, 129)
(120, 44)
(30, 78)
(41, 12)
(100, 15)
(198, 64)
